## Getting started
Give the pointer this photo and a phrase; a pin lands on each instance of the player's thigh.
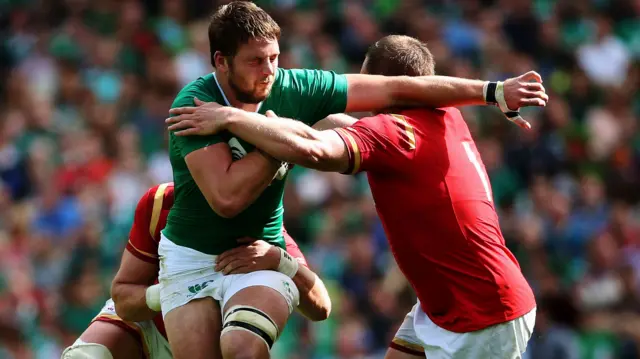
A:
(193, 329)
(256, 308)
(102, 339)
(189, 295)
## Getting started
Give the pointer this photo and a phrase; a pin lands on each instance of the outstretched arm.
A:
(369, 92)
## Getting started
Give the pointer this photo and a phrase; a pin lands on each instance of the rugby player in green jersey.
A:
(226, 189)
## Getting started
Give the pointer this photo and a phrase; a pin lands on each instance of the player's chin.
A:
(261, 94)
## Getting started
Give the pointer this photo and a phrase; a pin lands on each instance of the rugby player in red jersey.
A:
(137, 330)
(434, 198)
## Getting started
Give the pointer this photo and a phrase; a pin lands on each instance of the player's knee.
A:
(240, 345)
(82, 350)
(247, 333)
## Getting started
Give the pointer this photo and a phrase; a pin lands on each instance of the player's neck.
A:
(230, 97)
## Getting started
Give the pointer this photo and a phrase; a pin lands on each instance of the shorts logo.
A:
(237, 151)
(289, 292)
(194, 289)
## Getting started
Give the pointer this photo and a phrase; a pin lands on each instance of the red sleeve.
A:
(378, 143)
(142, 243)
(293, 249)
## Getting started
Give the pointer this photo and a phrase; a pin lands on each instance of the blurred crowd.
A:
(85, 87)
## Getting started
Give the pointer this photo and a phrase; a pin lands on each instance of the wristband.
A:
(489, 92)
(494, 95)
(288, 265)
(152, 297)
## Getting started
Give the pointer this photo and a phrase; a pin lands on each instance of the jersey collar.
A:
(224, 97)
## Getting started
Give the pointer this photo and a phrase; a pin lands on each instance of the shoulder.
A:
(425, 113)
(161, 192)
(381, 122)
(169, 193)
(302, 77)
(201, 88)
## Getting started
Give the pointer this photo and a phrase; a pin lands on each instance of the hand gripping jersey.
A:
(434, 199)
(305, 95)
(150, 218)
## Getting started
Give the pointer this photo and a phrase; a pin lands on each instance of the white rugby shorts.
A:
(187, 274)
(418, 334)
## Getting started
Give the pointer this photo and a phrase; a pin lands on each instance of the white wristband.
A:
(502, 103)
(152, 297)
(288, 265)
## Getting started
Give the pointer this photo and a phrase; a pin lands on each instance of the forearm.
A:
(315, 303)
(248, 178)
(130, 302)
(285, 139)
(440, 91)
(375, 93)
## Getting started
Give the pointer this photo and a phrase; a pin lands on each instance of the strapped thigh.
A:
(83, 350)
(253, 320)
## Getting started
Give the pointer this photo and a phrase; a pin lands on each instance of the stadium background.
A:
(85, 86)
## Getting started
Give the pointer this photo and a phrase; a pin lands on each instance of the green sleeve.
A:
(188, 144)
(320, 93)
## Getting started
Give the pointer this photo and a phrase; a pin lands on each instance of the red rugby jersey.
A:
(151, 217)
(434, 199)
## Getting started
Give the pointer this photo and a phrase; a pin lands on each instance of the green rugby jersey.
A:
(304, 95)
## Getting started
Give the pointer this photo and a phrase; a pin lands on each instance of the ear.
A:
(220, 62)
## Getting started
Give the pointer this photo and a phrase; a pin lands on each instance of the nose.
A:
(269, 68)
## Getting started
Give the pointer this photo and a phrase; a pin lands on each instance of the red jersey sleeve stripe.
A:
(355, 156)
(406, 347)
(157, 209)
(407, 129)
(145, 256)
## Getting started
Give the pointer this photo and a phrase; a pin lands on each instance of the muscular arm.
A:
(315, 303)
(374, 92)
(230, 186)
(291, 141)
(129, 286)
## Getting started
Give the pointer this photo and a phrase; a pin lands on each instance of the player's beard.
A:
(242, 95)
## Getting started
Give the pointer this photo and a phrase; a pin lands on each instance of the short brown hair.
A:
(235, 24)
(399, 55)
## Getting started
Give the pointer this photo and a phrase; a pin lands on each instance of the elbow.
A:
(123, 312)
(315, 155)
(119, 302)
(115, 290)
(227, 206)
(322, 312)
